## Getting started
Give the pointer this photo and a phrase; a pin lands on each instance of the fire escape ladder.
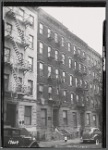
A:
(15, 76)
(16, 50)
(18, 28)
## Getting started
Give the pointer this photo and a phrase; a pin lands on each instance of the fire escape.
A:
(80, 72)
(22, 65)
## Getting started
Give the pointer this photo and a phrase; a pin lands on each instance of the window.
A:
(77, 98)
(44, 117)
(80, 82)
(69, 46)
(64, 76)
(63, 59)
(88, 119)
(79, 67)
(9, 28)
(56, 55)
(76, 82)
(90, 86)
(62, 42)
(41, 69)
(40, 28)
(57, 73)
(74, 114)
(6, 82)
(49, 33)
(94, 119)
(27, 115)
(30, 60)
(92, 103)
(75, 65)
(72, 96)
(57, 91)
(50, 89)
(30, 87)
(83, 54)
(6, 54)
(70, 63)
(84, 68)
(97, 89)
(31, 41)
(94, 87)
(85, 84)
(49, 51)
(50, 92)
(40, 88)
(65, 119)
(49, 71)
(56, 37)
(64, 93)
(41, 48)
(71, 80)
(75, 50)
(93, 74)
(87, 99)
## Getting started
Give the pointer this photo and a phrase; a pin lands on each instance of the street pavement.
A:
(76, 143)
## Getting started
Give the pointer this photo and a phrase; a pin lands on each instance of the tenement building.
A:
(20, 67)
(69, 78)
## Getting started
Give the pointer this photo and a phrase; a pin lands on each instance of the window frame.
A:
(41, 68)
(57, 73)
(40, 48)
(31, 66)
(70, 63)
(65, 119)
(49, 71)
(56, 55)
(30, 87)
(56, 37)
(87, 118)
(62, 41)
(41, 28)
(30, 117)
(71, 80)
(49, 33)
(63, 59)
(69, 47)
(31, 41)
(49, 51)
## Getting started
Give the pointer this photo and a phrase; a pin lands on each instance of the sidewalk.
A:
(58, 143)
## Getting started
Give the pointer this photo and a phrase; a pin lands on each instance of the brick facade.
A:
(61, 103)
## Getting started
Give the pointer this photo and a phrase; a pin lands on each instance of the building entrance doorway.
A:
(11, 115)
(55, 117)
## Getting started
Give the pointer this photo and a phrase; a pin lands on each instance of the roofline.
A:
(65, 28)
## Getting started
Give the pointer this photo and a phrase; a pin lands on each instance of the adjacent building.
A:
(69, 80)
(20, 67)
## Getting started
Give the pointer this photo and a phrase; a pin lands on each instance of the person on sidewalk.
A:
(65, 138)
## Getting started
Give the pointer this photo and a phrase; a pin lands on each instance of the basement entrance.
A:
(11, 115)
(55, 117)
